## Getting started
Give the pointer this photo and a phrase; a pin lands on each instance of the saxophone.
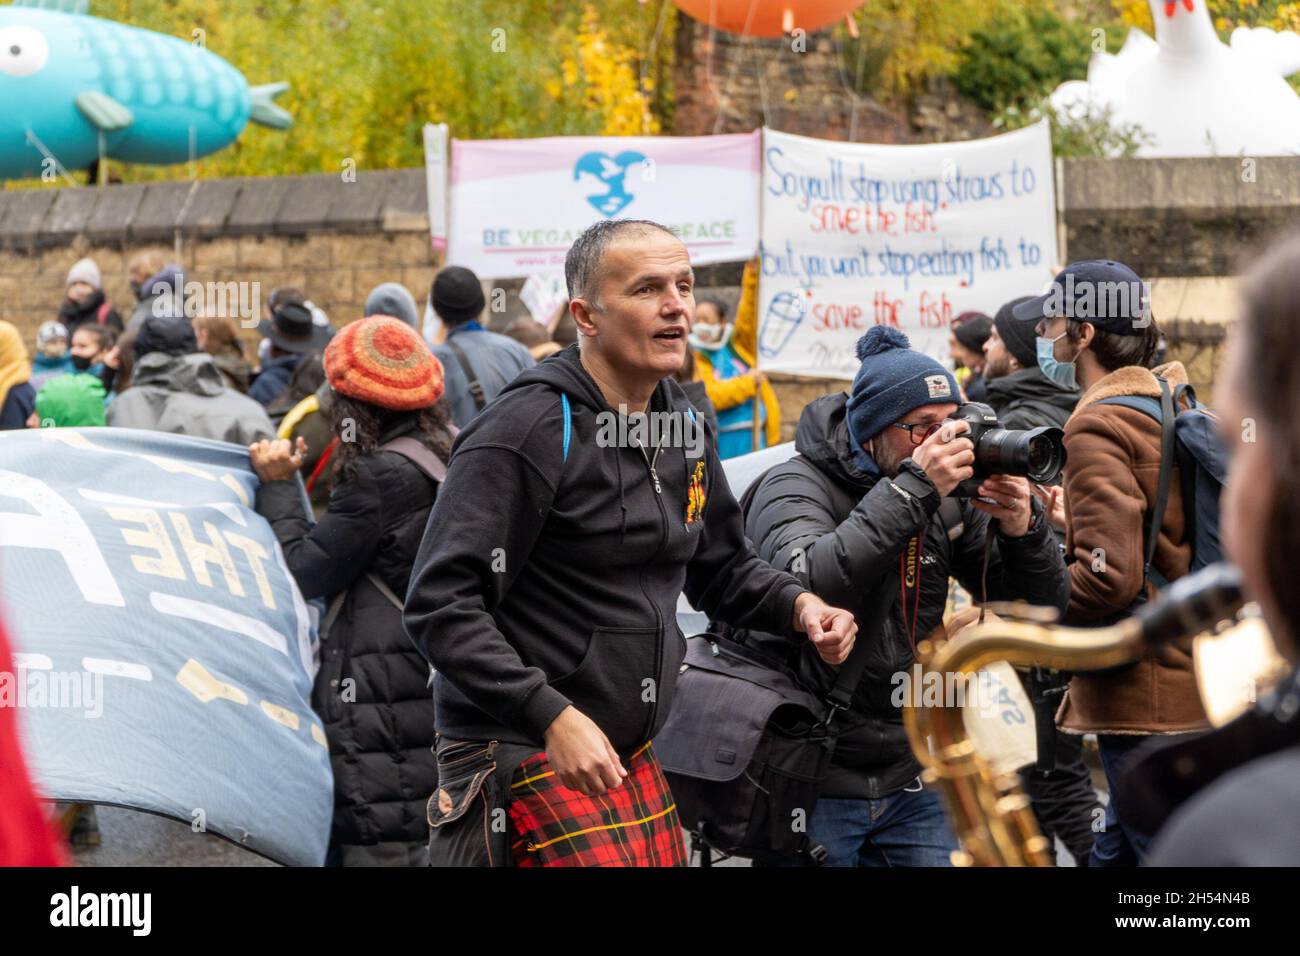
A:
(989, 811)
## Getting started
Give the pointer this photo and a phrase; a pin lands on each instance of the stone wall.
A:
(1185, 225)
(334, 239)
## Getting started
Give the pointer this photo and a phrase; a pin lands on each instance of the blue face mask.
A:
(1061, 373)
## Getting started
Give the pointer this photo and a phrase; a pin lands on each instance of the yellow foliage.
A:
(1135, 13)
(611, 86)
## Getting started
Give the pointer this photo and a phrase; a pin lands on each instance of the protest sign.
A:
(859, 235)
(165, 655)
(517, 205)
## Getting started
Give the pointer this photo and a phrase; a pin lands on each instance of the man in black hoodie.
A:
(577, 507)
(861, 514)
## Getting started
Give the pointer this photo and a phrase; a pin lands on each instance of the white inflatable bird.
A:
(1192, 94)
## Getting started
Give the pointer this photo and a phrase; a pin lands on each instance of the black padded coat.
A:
(372, 691)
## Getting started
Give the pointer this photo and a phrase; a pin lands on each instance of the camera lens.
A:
(1046, 456)
(1037, 454)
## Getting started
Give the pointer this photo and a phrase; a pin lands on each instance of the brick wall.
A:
(728, 84)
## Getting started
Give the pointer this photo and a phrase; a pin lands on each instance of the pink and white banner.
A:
(518, 204)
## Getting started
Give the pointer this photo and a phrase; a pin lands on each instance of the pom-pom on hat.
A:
(893, 380)
(384, 361)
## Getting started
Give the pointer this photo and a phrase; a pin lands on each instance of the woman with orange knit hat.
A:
(392, 441)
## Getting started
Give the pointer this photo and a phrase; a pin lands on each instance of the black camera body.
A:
(1035, 453)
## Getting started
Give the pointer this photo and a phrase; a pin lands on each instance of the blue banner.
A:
(165, 654)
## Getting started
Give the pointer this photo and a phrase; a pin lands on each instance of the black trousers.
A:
(1060, 785)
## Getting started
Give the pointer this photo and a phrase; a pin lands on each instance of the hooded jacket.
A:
(1112, 469)
(1026, 398)
(183, 394)
(841, 532)
(163, 283)
(544, 581)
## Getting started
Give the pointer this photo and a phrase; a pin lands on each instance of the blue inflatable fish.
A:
(74, 86)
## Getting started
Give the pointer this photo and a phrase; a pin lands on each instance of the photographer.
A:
(863, 502)
(1105, 344)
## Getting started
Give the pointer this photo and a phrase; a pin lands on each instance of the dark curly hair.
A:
(359, 426)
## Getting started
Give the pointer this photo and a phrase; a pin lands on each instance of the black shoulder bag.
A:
(747, 747)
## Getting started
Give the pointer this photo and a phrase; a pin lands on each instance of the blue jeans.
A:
(1119, 844)
(907, 828)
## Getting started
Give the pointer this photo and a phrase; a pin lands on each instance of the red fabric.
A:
(325, 457)
(634, 824)
(26, 836)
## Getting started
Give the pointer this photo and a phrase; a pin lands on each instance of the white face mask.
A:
(710, 336)
(263, 351)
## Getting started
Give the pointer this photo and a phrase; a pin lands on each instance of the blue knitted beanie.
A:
(893, 380)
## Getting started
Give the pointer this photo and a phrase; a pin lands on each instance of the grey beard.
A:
(885, 460)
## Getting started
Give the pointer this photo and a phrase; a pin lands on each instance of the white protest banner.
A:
(859, 235)
(517, 205)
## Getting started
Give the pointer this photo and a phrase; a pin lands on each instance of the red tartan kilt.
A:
(634, 824)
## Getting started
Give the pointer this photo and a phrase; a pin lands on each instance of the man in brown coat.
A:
(1095, 331)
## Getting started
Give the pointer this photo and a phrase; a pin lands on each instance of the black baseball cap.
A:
(1106, 294)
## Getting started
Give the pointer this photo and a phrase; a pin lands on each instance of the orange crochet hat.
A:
(384, 362)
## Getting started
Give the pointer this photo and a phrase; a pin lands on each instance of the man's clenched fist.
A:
(831, 630)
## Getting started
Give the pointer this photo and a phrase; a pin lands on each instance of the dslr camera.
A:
(1036, 453)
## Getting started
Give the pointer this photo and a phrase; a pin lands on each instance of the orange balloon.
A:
(768, 18)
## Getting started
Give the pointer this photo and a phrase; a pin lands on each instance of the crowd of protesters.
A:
(537, 568)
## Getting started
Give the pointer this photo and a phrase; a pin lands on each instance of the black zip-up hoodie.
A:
(544, 582)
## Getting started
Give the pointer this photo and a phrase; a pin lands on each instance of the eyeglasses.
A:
(927, 429)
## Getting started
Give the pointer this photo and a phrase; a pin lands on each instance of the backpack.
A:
(1187, 439)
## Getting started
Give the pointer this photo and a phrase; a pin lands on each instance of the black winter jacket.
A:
(1029, 399)
(544, 582)
(75, 314)
(842, 532)
(380, 728)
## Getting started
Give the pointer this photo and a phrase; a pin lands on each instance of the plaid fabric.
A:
(633, 825)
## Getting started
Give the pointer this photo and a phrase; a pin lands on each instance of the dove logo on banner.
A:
(611, 171)
(135, 558)
(517, 205)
